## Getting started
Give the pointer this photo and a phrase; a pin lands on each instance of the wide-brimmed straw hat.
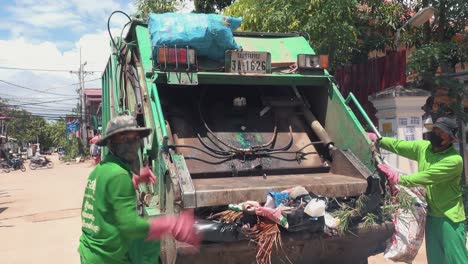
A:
(122, 124)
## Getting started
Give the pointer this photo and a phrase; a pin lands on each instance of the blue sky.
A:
(48, 34)
(61, 22)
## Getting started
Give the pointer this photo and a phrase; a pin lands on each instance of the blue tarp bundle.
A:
(209, 34)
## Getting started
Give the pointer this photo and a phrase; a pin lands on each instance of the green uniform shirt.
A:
(439, 172)
(109, 218)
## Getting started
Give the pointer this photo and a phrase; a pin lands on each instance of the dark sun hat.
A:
(122, 124)
(448, 125)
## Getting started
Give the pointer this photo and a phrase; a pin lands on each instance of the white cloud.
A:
(44, 14)
(20, 53)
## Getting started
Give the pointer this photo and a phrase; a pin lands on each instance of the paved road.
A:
(40, 215)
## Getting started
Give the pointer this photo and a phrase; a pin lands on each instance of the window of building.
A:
(415, 120)
(409, 137)
(403, 121)
(410, 130)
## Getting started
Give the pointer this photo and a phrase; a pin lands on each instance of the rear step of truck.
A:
(221, 191)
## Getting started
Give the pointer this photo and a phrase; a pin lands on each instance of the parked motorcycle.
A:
(41, 163)
(17, 164)
(4, 166)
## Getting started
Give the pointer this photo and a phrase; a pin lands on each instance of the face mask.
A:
(435, 140)
(128, 151)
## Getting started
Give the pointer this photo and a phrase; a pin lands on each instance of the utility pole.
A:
(81, 75)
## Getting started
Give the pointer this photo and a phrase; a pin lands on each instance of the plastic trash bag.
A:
(209, 34)
(212, 231)
(408, 237)
(298, 221)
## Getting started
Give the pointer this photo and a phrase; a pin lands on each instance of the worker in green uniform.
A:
(439, 170)
(109, 216)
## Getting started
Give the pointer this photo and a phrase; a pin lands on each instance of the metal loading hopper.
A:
(207, 181)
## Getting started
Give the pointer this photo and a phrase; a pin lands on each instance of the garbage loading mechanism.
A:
(240, 151)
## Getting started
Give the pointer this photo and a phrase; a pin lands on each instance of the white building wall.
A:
(400, 117)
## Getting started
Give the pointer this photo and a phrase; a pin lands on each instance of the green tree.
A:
(210, 6)
(145, 7)
(346, 30)
(56, 133)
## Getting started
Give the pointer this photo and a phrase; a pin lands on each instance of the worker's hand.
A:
(146, 175)
(392, 176)
(184, 229)
(181, 227)
(372, 137)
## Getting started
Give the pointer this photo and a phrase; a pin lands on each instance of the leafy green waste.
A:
(350, 215)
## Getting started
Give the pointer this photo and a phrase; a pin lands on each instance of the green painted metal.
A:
(283, 49)
(353, 98)
(258, 79)
(155, 117)
(345, 129)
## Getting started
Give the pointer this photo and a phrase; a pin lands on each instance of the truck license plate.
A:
(248, 62)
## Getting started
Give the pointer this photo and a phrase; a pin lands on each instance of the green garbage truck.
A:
(266, 118)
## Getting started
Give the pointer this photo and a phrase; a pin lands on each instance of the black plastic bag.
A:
(212, 231)
(298, 221)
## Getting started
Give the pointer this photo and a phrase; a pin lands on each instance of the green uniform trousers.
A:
(445, 241)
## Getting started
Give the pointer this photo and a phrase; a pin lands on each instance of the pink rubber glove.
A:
(392, 176)
(372, 137)
(146, 175)
(180, 227)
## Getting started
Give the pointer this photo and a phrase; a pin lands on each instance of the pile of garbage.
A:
(292, 210)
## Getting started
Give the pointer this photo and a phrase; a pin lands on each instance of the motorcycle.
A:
(4, 165)
(17, 164)
(41, 163)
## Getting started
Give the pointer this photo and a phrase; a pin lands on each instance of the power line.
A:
(36, 69)
(35, 108)
(42, 102)
(27, 88)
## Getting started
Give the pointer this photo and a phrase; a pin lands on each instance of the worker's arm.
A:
(445, 170)
(407, 149)
(122, 199)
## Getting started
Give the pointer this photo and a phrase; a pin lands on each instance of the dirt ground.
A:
(40, 215)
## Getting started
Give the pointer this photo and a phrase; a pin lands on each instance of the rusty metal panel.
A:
(246, 132)
(185, 181)
(222, 191)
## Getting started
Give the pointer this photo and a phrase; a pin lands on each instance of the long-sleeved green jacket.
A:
(439, 172)
(109, 218)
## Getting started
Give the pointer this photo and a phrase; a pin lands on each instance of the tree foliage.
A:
(210, 6)
(346, 30)
(28, 128)
(145, 7)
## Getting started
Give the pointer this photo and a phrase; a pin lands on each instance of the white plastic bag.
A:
(409, 229)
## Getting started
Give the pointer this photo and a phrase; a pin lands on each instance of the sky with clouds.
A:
(48, 34)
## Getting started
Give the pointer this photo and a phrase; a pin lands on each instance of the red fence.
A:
(372, 77)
